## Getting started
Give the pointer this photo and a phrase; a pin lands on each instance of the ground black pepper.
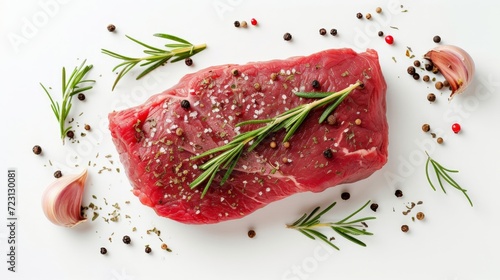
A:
(126, 239)
(345, 195)
(37, 150)
(58, 174)
(103, 251)
(398, 193)
(185, 104)
(287, 36)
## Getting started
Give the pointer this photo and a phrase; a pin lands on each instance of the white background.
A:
(454, 242)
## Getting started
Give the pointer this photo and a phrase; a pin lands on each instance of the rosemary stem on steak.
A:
(156, 57)
(309, 224)
(71, 86)
(442, 172)
(289, 120)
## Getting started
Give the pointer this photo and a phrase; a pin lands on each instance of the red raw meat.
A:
(157, 160)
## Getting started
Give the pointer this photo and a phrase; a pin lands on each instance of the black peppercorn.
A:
(322, 32)
(345, 195)
(426, 78)
(185, 104)
(328, 153)
(236, 24)
(416, 63)
(439, 85)
(429, 66)
(81, 96)
(251, 233)
(436, 39)
(315, 84)
(416, 76)
(410, 70)
(70, 134)
(374, 207)
(431, 97)
(287, 36)
(405, 228)
(58, 174)
(426, 127)
(87, 127)
(359, 15)
(333, 32)
(398, 193)
(381, 33)
(188, 61)
(103, 251)
(111, 28)
(147, 250)
(37, 150)
(126, 239)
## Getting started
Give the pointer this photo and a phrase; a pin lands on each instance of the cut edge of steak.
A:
(157, 159)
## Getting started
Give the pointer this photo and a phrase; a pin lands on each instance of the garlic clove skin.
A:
(455, 64)
(62, 200)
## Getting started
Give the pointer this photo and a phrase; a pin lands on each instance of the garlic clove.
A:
(455, 64)
(62, 200)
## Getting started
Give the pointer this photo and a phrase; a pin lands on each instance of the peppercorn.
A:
(244, 24)
(286, 145)
(431, 97)
(179, 131)
(322, 31)
(368, 16)
(256, 86)
(284, 160)
(58, 174)
(126, 239)
(439, 85)
(456, 128)
(236, 23)
(253, 21)
(398, 193)
(251, 233)
(435, 70)
(274, 76)
(87, 127)
(235, 72)
(381, 33)
(429, 66)
(37, 150)
(111, 27)
(374, 207)
(378, 10)
(389, 39)
(185, 104)
(81, 96)
(287, 36)
(420, 216)
(416, 76)
(436, 39)
(410, 70)
(426, 78)
(357, 121)
(426, 127)
(315, 84)
(359, 15)
(405, 228)
(446, 83)
(273, 145)
(70, 134)
(416, 63)
(345, 195)
(188, 61)
(440, 140)
(333, 32)
(103, 251)
(331, 120)
(328, 153)
(164, 247)
(147, 249)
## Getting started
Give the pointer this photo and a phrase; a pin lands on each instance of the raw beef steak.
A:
(157, 139)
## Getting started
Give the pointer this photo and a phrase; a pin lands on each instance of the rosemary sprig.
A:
(309, 223)
(156, 57)
(442, 173)
(289, 120)
(70, 87)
